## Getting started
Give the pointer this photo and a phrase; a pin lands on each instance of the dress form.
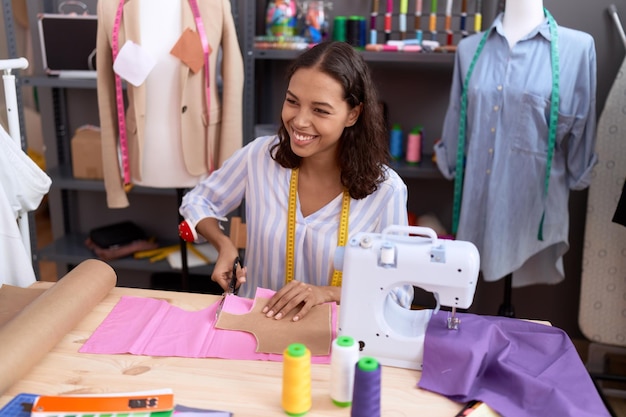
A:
(210, 126)
(162, 163)
(520, 17)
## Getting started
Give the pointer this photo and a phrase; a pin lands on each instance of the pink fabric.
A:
(147, 326)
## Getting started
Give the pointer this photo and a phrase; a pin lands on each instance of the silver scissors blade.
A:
(232, 290)
(219, 307)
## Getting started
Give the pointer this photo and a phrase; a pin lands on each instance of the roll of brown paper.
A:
(27, 337)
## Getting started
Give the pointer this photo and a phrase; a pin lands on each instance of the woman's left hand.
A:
(298, 294)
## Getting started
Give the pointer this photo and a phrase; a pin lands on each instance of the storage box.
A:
(87, 153)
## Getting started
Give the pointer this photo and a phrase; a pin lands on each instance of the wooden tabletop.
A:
(245, 388)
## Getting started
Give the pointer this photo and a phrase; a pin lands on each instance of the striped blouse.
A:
(252, 174)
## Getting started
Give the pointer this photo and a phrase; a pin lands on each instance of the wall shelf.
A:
(71, 249)
(62, 178)
(422, 58)
(58, 82)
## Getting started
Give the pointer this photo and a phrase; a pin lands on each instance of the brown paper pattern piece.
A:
(314, 330)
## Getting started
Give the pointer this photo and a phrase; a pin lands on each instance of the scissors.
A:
(232, 287)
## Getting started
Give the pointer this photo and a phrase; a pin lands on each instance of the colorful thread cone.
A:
(366, 395)
(296, 395)
(343, 357)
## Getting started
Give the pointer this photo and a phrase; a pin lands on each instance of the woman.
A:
(328, 160)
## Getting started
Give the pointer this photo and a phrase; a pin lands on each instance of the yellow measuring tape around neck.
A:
(342, 234)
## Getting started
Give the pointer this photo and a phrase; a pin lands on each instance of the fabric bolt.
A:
(517, 367)
(252, 174)
(506, 148)
(147, 326)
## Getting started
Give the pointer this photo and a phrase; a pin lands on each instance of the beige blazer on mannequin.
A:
(217, 135)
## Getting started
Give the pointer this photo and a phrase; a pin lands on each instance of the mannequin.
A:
(519, 224)
(520, 17)
(160, 151)
(173, 139)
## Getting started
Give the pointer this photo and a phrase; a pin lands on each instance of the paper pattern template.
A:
(273, 336)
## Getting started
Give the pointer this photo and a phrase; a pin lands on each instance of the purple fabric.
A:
(518, 368)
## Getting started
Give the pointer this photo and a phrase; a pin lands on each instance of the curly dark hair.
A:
(363, 150)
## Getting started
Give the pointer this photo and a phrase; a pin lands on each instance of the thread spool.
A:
(387, 254)
(362, 32)
(414, 146)
(353, 31)
(339, 28)
(344, 355)
(296, 393)
(395, 142)
(366, 394)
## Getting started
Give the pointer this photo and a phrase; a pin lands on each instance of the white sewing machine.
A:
(373, 264)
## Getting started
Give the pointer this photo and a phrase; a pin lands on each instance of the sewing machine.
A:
(374, 264)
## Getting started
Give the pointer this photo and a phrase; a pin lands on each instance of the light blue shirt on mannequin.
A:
(508, 112)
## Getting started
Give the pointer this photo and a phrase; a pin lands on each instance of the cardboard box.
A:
(87, 153)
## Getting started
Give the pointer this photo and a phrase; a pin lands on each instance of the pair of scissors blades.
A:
(232, 287)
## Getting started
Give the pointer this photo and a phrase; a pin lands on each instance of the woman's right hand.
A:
(223, 269)
(227, 253)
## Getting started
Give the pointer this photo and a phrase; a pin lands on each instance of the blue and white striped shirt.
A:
(252, 174)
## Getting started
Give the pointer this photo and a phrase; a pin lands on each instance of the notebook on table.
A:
(68, 44)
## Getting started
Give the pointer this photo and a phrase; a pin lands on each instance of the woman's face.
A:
(315, 113)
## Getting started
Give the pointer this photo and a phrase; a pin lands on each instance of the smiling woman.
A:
(320, 180)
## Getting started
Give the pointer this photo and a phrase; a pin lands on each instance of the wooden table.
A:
(246, 388)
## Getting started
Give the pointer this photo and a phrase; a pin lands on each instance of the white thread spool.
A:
(343, 358)
(387, 254)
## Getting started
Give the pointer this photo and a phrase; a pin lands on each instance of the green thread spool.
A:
(339, 28)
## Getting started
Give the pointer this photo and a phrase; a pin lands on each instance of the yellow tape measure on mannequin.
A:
(342, 234)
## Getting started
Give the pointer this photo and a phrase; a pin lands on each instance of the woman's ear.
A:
(354, 114)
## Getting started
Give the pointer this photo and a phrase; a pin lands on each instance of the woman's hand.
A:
(298, 294)
(210, 229)
(223, 270)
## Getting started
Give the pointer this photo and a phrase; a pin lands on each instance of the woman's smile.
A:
(302, 137)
